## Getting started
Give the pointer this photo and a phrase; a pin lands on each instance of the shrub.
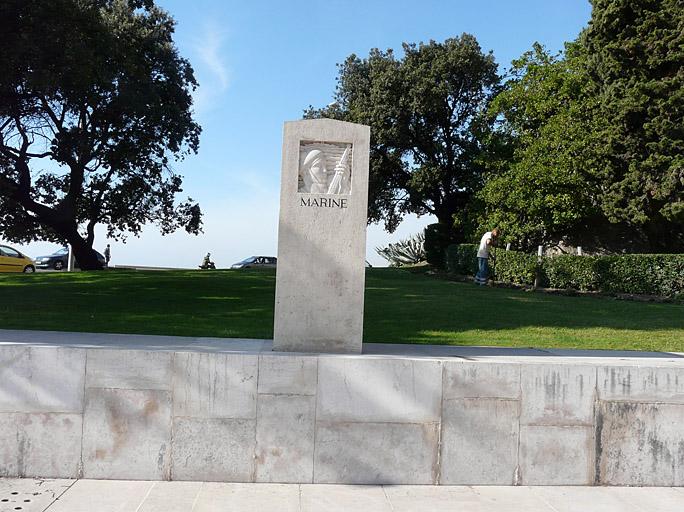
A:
(461, 259)
(650, 274)
(572, 272)
(437, 239)
(513, 266)
(404, 252)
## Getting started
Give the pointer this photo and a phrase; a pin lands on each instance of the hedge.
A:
(437, 240)
(513, 267)
(650, 274)
(461, 259)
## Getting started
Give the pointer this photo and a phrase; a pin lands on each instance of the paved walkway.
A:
(31, 495)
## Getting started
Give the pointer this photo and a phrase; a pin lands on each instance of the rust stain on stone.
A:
(151, 407)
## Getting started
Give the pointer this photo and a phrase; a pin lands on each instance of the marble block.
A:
(322, 237)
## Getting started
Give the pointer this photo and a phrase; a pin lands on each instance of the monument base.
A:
(147, 407)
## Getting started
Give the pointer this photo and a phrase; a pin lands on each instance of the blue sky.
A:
(261, 63)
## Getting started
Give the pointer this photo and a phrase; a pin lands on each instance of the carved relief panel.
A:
(325, 168)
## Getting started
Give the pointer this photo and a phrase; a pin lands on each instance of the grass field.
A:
(401, 307)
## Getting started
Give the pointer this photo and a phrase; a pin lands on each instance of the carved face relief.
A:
(325, 168)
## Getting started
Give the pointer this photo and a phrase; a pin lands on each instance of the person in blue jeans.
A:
(487, 240)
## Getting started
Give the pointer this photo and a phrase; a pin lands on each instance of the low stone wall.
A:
(218, 411)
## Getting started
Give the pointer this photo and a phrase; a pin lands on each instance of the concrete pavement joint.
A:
(60, 495)
(389, 501)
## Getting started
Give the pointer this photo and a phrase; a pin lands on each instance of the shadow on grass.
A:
(400, 308)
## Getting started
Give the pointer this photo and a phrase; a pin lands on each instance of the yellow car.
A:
(12, 260)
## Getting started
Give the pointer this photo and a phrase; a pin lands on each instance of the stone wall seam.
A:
(287, 394)
(173, 402)
(315, 425)
(256, 421)
(438, 472)
(517, 476)
(346, 422)
(85, 378)
(595, 455)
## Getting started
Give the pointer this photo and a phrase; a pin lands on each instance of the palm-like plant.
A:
(404, 252)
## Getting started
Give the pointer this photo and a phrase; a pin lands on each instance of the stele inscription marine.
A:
(322, 237)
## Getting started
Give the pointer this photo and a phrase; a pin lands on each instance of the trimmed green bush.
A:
(572, 272)
(461, 259)
(513, 266)
(437, 239)
(651, 274)
(645, 274)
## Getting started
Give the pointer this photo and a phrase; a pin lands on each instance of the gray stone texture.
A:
(376, 453)
(41, 379)
(479, 441)
(288, 374)
(213, 450)
(40, 444)
(552, 455)
(640, 444)
(129, 369)
(285, 438)
(464, 379)
(641, 384)
(379, 390)
(429, 416)
(215, 385)
(321, 250)
(559, 394)
(127, 434)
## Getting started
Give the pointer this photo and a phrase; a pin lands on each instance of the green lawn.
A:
(401, 307)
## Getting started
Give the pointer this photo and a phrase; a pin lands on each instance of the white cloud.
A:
(210, 65)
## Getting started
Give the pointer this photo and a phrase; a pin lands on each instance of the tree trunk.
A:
(83, 252)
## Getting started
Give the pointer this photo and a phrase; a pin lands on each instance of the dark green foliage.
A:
(546, 190)
(461, 259)
(651, 274)
(646, 274)
(426, 128)
(513, 267)
(404, 252)
(636, 62)
(437, 238)
(95, 104)
(572, 272)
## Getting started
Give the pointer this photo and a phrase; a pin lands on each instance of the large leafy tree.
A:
(95, 104)
(545, 186)
(423, 109)
(636, 61)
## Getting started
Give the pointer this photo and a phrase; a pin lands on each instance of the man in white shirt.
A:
(487, 240)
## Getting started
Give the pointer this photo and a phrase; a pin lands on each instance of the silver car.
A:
(256, 262)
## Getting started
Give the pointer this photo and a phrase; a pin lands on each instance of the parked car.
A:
(12, 260)
(60, 260)
(257, 262)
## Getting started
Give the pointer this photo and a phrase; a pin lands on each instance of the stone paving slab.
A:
(140, 496)
(242, 345)
(30, 495)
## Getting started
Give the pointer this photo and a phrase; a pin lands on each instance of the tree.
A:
(95, 103)
(636, 62)
(545, 187)
(423, 110)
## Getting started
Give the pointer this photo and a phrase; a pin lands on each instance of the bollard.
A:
(70, 260)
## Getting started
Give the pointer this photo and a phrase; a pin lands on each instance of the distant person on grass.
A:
(107, 255)
(207, 264)
(488, 240)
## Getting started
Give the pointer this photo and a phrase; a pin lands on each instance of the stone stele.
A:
(322, 237)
